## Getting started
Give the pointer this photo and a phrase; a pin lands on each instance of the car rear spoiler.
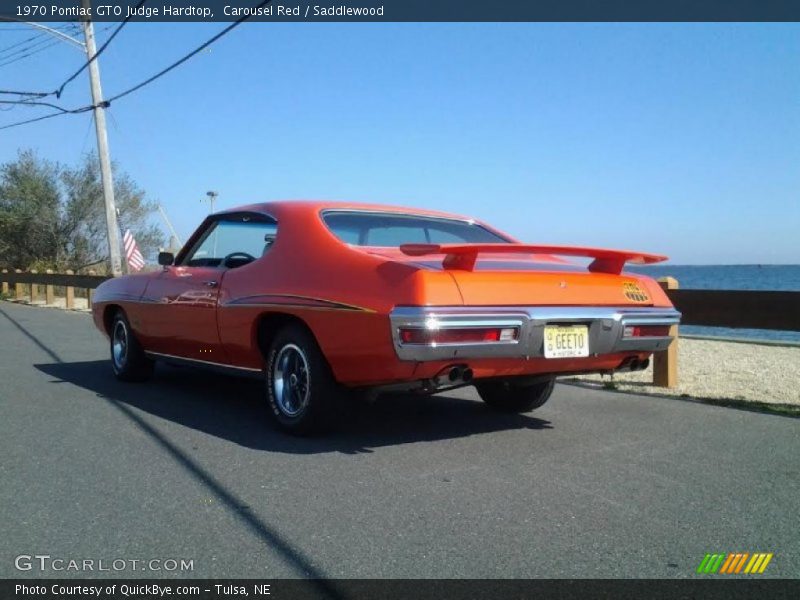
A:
(463, 256)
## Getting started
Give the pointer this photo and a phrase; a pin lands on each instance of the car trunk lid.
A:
(492, 274)
(524, 274)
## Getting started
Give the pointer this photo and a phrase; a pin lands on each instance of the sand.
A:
(724, 370)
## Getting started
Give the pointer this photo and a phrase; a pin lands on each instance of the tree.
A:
(53, 216)
(30, 201)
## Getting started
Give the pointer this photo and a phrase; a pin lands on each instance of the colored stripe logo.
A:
(735, 563)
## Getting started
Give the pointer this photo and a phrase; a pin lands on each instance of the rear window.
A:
(392, 229)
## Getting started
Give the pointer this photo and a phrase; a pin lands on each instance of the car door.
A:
(184, 297)
(182, 316)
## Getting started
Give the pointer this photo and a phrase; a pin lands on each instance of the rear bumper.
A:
(606, 327)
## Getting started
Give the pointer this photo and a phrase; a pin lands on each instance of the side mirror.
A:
(165, 259)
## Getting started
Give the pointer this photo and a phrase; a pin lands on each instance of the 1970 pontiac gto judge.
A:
(320, 298)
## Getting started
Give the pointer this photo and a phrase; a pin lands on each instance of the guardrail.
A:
(14, 283)
(739, 309)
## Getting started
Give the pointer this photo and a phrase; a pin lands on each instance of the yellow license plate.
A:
(566, 341)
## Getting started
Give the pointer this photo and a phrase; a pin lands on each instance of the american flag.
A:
(132, 254)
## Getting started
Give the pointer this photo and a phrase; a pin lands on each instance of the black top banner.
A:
(401, 10)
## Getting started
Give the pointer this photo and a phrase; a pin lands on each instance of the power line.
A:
(149, 80)
(62, 26)
(33, 103)
(29, 94)
(26, 40)
(50, 116)
(59, 91)
(31, 46)
(179, 62)
(31, 53)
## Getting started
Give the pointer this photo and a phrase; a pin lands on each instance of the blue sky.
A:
(682, 139)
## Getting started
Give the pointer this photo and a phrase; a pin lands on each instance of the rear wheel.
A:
(508, 396)
(302, 393)
(127, 355)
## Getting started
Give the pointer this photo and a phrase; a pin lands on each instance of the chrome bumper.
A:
(606, 326)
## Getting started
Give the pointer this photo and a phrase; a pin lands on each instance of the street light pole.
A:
(212, 196)
(102, 147)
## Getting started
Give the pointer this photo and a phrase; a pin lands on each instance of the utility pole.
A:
(102, 147)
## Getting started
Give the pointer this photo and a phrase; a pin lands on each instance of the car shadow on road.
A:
(233, 409)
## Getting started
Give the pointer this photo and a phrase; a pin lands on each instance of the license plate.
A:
(566, 341)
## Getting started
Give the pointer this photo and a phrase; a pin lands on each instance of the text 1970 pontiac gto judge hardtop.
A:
(321, 298)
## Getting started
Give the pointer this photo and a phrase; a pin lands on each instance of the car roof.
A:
(291, 208)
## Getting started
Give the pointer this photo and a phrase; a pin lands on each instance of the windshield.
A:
(393, 229)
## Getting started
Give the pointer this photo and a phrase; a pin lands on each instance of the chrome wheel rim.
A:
(119, 345)
(290, 382)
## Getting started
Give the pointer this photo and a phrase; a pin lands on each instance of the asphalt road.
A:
(596, 484)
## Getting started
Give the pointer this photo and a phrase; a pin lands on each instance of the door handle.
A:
(210, 284)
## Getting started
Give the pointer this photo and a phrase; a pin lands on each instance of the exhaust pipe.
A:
(451, 376)
(633, 364)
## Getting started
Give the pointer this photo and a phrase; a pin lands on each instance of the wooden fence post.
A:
(69, 293)
(90, 292)
(665, 363)
(18, 287)
(49, 292)
(34, 288)
(5, 284)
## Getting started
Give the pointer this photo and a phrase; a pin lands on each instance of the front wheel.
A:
(127, 356)
(301, 391)
(507, 396)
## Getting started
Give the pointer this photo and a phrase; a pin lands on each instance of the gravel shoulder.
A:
(719, 370)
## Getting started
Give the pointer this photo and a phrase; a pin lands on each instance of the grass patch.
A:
(786, 410)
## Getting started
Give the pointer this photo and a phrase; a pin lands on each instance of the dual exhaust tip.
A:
(459, 374)
(451, 376)
(634, 364)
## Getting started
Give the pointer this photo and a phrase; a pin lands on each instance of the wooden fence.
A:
(739, 309)
(14, 284)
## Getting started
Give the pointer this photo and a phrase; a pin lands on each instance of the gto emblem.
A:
(563, 284)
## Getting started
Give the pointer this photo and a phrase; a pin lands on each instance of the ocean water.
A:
(732, 277)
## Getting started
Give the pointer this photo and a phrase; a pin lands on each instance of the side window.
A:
(242, 241)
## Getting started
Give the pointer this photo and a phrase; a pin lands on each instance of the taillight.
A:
(458, 335)
(646, 331)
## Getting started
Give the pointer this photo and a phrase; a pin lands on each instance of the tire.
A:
(128, 359)
(302, 393)
(506, 396)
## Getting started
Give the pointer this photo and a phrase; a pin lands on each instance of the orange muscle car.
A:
(321, 298)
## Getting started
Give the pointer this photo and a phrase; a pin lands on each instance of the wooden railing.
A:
(14, 284)
(740, 309)
(737, 309)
